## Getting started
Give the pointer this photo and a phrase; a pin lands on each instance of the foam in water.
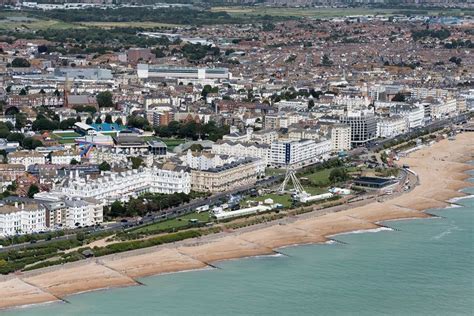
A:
(363, 231)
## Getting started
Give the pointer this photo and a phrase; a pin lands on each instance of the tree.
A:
(4, 132)
(20, 62)
(268, 27)
(67, 124)
(98, 120)
(455, 60)
(117, 209)
(104, 99)
(20, 120)
(196, 147)
(43, 124)
(89, 120)
(338, 175)
(399, 97)
(31, 143)
(104, 166)
(15, 137)
(78, 119)
(310, 104)
(74, 162)
(42, 49)
(118, 121)
(23, 91)
(33, 189)
(325, 61)
(136, 162)
(108, 119)
(137, 122)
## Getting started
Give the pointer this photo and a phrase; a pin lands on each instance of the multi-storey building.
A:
(241, 149)
(22, 219)
(389, 127)
(167, 179)
(363, 126)
(442, 108)
(26, 158)
(299, 153)
(341, 137)
(152, 71)
(228, 176)
(264, 137)
(413, 113)
(64, 157)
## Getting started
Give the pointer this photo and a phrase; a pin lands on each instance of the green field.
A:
(175, 223)
(274, 171)
(284, 199)
(33, 24)
(67, 134)
(170, 142)
(319, 178)
(111, 25)
(327, 12)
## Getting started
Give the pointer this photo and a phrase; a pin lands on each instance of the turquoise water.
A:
(423, 267)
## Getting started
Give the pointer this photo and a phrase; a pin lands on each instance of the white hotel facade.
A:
(124, 185)
(299, 153)
(22, 219)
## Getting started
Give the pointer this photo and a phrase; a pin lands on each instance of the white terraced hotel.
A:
(121, 186)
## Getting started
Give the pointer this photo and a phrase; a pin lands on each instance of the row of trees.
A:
(145, 204)
(192, 130)
(6, 131)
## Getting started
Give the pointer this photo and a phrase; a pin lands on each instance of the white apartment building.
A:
(442, 108)
(145, 71)
(121, 186)
(101, 154)
(389, 127)
(341, 137)
(239, 149)
(264, 137)
(413, 113)
(299, 153)
(422, 93)
(64, 157)
(292, 105)
(205, 160)
(301, 133)
(82, 212)
(351, 102)
(22, 219)
(26, 158)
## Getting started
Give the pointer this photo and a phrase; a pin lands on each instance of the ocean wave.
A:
(453, 200)
(446, 232)
(362, 231)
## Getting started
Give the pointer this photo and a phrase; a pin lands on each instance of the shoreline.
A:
(444, 163)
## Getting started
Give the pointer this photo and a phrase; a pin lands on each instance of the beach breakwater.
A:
(441, 170)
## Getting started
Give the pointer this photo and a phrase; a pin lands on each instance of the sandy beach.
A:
(441, 171)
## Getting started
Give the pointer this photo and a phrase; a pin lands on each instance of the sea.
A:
(419, 267)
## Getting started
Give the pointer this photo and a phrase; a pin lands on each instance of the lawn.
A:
(284, 199)
(326, 12)
(67, 135)
(175, 223)
(34, 24)
(170, 142)
(274, 171)
(320, 177)
(131, 24)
